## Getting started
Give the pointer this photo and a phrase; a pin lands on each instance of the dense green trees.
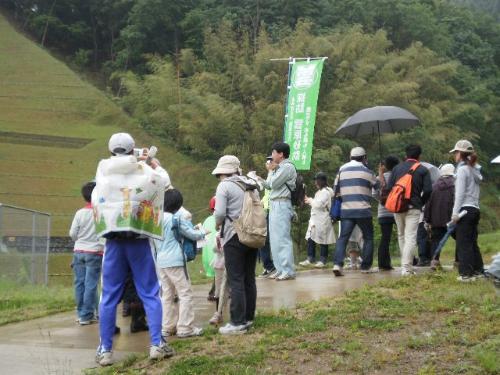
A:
(197, 72)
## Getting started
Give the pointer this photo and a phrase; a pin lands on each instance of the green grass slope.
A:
(54, 129)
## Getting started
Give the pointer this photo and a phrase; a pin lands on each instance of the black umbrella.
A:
(378, 120)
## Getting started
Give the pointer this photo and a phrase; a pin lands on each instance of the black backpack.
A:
(299, 194)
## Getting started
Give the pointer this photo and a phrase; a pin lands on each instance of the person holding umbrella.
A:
(470, 262)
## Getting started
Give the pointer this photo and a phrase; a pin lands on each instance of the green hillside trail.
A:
(54, 129)
(56, 344)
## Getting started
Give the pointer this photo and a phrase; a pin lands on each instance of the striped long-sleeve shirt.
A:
(356, 182)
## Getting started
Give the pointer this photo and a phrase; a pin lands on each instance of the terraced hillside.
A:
(54, 129)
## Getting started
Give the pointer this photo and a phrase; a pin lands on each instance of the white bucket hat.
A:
(228, 164)
(463, 146)
(356, 152)
(447, 170)
(121, 143)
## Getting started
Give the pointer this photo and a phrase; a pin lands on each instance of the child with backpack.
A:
(178, 318)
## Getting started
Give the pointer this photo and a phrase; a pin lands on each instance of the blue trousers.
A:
(346, 228)
(87, 270)
(120, 256)
(280, 225)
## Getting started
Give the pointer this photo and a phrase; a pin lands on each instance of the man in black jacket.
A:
(407, 222)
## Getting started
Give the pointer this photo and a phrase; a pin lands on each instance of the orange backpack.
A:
(399, 197)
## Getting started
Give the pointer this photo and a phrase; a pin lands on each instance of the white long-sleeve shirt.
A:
(82, 231)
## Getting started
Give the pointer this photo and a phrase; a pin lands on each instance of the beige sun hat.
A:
(228, 164)
(356, 152)
(447, 170)
(463, 146)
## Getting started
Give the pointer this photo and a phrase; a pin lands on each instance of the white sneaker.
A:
(216, 319)
(274, 275)
(193, 333)
(285, 277)
(160, 351)
(249, 324)
(370, 270)
(104, 358)
(337, 270)
(320, 264)
(466, 279)
(230, 329)
(405, 272)
(305, 263)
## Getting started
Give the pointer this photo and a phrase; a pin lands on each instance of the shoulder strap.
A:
(414, 167)
(337, 187)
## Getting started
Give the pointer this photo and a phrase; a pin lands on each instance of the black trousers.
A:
(240, 267)
(424, 245)
(384, 256)
(470, 261)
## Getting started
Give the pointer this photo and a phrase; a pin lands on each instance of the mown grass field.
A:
(427, 324)
(54, 128)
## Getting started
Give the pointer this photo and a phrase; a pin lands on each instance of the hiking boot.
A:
(423, 263)
(160, 351)
(337, 270)
(104, 358)
(285, 277)
(466, 279)
(305, 263)
(193, 333)
(435, 265)
(266, 273)
(216, 319)
(320, 264)
(230, 329)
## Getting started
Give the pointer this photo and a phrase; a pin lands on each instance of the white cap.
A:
(121, 143)
(447, 170)
(463, 146)
(228, 164)
(357, 152)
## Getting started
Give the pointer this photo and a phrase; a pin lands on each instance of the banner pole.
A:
(289, 80)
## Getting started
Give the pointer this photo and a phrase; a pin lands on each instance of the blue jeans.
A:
(265, 252)
(87, 270)
(311, 251)
(120, 256)
(280, 225)
(346, 228)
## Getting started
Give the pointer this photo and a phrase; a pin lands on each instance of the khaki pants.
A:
(176, 316)
(221, 289)
(407, 223)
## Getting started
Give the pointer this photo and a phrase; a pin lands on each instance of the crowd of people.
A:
(134, 227)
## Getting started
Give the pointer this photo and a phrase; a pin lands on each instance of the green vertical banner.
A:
(303, 90)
